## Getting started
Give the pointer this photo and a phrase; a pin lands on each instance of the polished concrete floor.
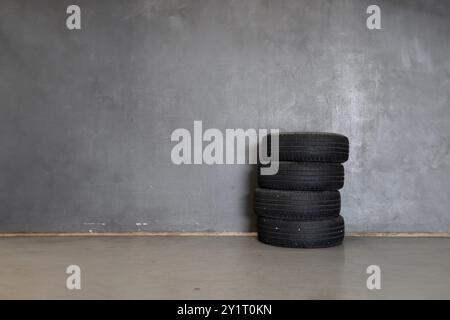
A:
(221, 268)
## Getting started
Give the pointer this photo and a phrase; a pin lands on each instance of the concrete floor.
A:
(221, 268)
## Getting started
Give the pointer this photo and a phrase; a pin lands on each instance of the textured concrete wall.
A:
(86, 116)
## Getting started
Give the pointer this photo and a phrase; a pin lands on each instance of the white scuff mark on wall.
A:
(94, 223)
(141, 224)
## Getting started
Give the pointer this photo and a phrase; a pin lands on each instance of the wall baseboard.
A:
(131, 234)
(218, 234)
(401, 234)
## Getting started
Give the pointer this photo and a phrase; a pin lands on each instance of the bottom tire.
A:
(301, 234)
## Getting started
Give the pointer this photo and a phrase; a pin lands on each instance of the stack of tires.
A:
(300, 205)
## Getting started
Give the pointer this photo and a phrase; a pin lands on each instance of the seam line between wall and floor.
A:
(219, 234)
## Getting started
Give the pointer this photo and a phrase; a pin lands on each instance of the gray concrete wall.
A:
(86, 116)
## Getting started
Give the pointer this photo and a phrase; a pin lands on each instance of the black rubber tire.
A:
(313, 147)
(304, 176)
(296, 205)
(301, 234)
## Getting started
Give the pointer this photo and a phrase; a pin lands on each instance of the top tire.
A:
(312, 147)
